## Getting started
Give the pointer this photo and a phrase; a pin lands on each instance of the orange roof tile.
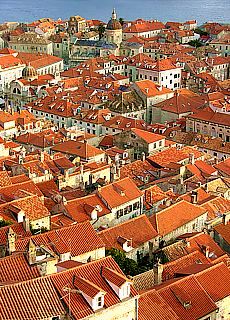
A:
(211, 116)
(188, 299)
(149, 88)
(92, 272)
(137, 230)
(76, 148)
(148, 137)
(144, 26)
(120, 192)
(76, 239)
(175, 217)
(224, 231)
(215, 281)
(33, 299)
(173, 155)
(80, 209)
(15, 268)
(4, 179)
(151, 306)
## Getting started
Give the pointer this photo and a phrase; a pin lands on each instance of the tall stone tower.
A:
(113, 32)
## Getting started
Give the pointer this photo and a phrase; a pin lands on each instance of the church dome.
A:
(113, 23)
(29, 72)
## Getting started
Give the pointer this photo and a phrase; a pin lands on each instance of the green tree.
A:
(195, 43)
(121, 20)
(128, 266)
(101, 30)
(201, 32)
(4, 223)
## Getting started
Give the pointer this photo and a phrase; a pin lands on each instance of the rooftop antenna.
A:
(69, 290)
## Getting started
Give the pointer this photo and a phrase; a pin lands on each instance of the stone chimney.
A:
(158, 271)
(207, 251)
(26, 224)
(194, 197)
(225, 219)
(143, 156)
(191, 158)
(42, 156)
(11, 238)
(66, 175)
(31, 253)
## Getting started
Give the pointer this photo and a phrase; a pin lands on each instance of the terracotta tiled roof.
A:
(17, 228)
(6, 117)
(120, 192)
(181, 103)
(107, 141)
(174, 267)
(224, 231)
(202, 196)
(137, 230)
(151, 306)
(32, 206)
(174, 155)
(113, 276)
(76, 239)
(4, 179)
(175, 216)
(94, 116)
(15, 268)
(86, 286)
(80, 209)
(148, 137)
(37, 60)
(144, 26)
(33, 299)
(92, 272)
(43, 139)
(80, 149)
(149, 88)
(10, 192)
(211, 116)
(123, 123)
(216, 207)
(60, 220)
(154, 194)
(215, 281)
(9, 61)
(139, 171)
(188, 299)
(68, 264)
(224, 167)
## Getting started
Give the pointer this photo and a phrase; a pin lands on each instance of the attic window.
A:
(99, 301)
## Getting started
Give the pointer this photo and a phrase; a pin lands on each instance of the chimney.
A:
(191, 158)
(66, 175)
(207, 251)
(194, 197)
(143, 156)
(31, 253)
(11, 238)
(26, 224)
(158, 270)
(225, 219)
(42, 156)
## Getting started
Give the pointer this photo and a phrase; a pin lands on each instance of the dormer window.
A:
(90, 292)
(118, 283)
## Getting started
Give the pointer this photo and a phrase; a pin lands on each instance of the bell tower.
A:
(113, 32)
